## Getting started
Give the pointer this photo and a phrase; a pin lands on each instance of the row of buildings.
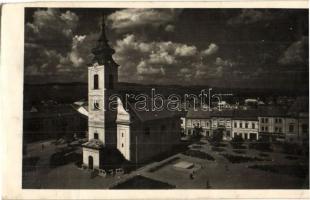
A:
(51, 121)
(140, 135)
(290, 124)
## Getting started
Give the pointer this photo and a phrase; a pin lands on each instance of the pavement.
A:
(218, 174)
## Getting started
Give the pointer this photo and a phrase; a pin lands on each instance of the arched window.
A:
(96, 81)
(96, 136)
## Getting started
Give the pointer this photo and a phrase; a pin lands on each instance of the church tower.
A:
(102, 79)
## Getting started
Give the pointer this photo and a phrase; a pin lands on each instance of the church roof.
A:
(151, 115)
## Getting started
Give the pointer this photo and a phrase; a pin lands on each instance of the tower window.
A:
(96, 82)
(110, 85)
(96, 136)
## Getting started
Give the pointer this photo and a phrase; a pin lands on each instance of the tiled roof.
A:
(94, 144)
(51, 111)
(272, 111)
(150, 115)
(222, 113)
(251, 114)
(301, 105)
(153, 115)
(236, 114)
(198, 114)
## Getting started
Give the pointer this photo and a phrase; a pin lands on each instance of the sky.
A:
(255, 48)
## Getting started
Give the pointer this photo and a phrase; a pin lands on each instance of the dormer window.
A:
(96, 82)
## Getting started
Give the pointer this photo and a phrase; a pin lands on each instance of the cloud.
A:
(144, 69)
(185, 50)
(132, 18)
(250, 16)
(221, 62)
(296, 53)
(51, 48)
(156, 58)
(50, 27)
(212, 49)
(168, 62)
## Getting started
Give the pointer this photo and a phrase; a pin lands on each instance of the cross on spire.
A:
(103, 52)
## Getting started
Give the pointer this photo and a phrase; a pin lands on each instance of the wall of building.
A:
(123, 140)
(147, 144)
(272, 127)
(96, 115)
(92, 130)
(190, 125)
(51, 125)
(91, 152)
(291, 130)
(247, 132)
(223, 123)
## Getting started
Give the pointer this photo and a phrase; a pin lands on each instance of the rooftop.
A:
(93, 144)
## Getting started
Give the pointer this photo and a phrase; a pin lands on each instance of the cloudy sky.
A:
(215, 47)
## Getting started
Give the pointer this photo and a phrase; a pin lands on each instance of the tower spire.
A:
(103, 52)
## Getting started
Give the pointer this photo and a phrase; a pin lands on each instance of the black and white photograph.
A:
(165, 98)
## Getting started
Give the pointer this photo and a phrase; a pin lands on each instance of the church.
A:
(136, 135)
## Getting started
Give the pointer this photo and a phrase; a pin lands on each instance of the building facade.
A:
(222, 122)
(297, 122)
(245, 123)
(42, 122)
(199, 119)
(272, 122)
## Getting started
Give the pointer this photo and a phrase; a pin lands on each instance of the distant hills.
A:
(70, 92)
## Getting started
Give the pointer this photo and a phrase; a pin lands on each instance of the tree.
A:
(197, 132)
(237, 142)
(217, 137)
(262, 144)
